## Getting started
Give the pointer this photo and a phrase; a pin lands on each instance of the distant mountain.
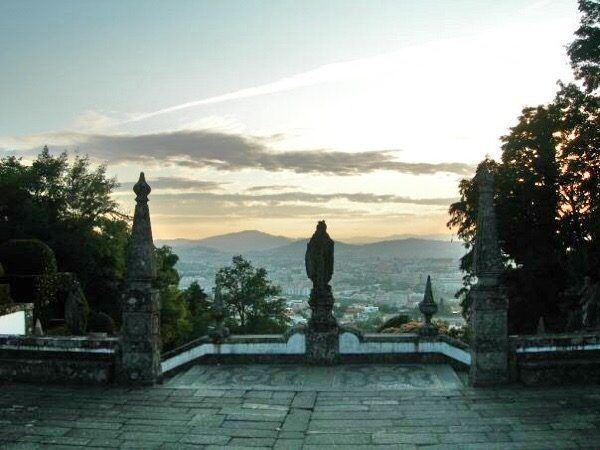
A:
(234, 243)
(257, 245)
(396, 237)
(412, 248)
(401, 248)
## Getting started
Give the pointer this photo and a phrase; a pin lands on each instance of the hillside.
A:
(257, 245)
(241, 242)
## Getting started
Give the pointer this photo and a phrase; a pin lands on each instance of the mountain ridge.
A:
(236, 242)
(257, 243)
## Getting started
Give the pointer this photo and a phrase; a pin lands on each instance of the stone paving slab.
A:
(305, 378)
(208, 417)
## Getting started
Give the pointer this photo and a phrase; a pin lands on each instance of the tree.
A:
(537, 196)
(547, 186)
(68, 205)
(584, 51)
(248, 297)
(196, 299)
(174, 318)
(166, 273)
(198, 306)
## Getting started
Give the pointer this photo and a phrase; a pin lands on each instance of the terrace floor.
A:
(294, 407)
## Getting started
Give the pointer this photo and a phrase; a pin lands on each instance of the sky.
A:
(272, 115)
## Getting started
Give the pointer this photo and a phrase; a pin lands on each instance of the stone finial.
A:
(38, 330)
(142, 189)
(140, 333)
(541, 326)
(141, 265)
(487, 260)
(428, 308)
(218, 332)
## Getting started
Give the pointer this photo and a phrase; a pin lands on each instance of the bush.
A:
(5, 298)
(27, 257)
(394, 322)
(99, 322)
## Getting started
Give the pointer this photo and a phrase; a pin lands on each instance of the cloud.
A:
(274, 187)
(183, 202)
(220, 212)
(233, 152)
(176, 183)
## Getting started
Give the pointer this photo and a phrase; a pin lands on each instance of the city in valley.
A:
(372, 281)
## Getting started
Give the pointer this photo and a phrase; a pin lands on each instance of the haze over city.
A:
(271, 115)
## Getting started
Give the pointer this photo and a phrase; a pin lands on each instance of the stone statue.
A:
(319, 268)
(590, 304)
(319, 256)
(322, 336)
(76, 308)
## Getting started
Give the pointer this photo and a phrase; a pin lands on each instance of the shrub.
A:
(99, 322)
(394, 322)
(5, 298)
(27, 257)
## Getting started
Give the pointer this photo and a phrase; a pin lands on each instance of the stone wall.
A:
(59, 359)
(565, 358)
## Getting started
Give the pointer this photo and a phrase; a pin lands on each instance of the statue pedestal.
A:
(489, 340)
(323, 347)
(140, 337)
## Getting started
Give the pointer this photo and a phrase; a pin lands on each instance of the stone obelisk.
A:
(489, 304)
(140, 335)
(322, 335)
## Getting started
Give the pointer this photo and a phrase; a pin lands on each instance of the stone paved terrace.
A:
(359, 406)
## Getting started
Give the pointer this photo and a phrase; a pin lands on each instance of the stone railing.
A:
(59, 359)
(555, 358)
(291, 347)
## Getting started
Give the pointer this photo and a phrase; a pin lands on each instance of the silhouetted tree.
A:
(584, 51)
(547, 186)
(199, 307)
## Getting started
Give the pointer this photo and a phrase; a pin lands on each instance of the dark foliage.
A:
(68, 205)
(394, 322)
(547, 190)
(250, 299)
(99, 322)
(584, 51)
(27, 257)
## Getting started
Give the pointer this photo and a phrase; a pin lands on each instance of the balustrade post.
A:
(488, 301)
(140, 335)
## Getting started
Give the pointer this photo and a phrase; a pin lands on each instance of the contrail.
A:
(322, 74)
(402, 59)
